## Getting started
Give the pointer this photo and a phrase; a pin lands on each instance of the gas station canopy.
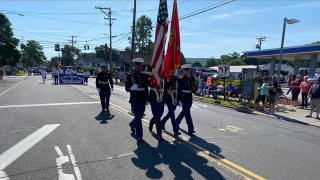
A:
(289, 53)
(306, 52)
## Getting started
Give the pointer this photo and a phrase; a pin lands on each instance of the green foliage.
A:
(21, 73)
(33, 54)
(183, 59)
(102, 53)
(90, 69)
(232, 59)
(196, 64)
(211, 62)
(143, 35)
(54, 62)
(71, 55)
(9, 54)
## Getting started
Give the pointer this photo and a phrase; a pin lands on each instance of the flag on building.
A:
(173, 56)
(159, 44)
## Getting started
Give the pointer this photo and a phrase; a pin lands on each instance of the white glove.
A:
(98, 89)
(134, 87)
(180, 103)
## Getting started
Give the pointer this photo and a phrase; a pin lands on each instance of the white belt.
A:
(104, 82)
(185, 91)
(140, 89)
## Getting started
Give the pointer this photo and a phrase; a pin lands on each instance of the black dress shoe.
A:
(191, 132)
(150, 128)
(160, 138)
(163, 127)
(177, 133)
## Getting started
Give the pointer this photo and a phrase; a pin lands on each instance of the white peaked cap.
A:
(186, 66)
(137, 60)
(103, 64)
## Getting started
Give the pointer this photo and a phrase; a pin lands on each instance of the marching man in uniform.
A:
(157, 108)
(186, 86)
(137, 85)
(103, 83)
(170, 97)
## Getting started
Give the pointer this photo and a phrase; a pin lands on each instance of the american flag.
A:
(159, 45)
(58, 64)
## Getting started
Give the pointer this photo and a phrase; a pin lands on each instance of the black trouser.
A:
(86, 80)
(304, 99)
(55, 79)
(104, 98)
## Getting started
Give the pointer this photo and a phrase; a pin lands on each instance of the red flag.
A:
(159, 44)
(173, 55)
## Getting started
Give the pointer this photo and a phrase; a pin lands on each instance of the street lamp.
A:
(285, 22)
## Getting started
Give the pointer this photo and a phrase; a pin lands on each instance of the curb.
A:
(239, 109)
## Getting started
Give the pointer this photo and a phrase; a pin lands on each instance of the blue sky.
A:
(233, 27)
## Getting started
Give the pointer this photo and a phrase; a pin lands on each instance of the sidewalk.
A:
(294, 115)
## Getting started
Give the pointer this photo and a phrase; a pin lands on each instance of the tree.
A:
(196, 64)
(102, 53)
(53, 62)
(232, 59)
(127, 48)
(9, 54)
(143, 35)
(211, 62)
(183, 59)
(32, 54)
(71, 56)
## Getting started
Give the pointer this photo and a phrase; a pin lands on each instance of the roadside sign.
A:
(224, 70)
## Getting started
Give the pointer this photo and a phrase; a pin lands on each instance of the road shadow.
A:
(182, 160)
(103, 117)
(147, 158)
(205, 144)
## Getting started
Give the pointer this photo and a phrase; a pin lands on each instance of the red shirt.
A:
(296, 84)
(305, 86)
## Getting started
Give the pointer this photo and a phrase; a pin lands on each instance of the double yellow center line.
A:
(210, 156)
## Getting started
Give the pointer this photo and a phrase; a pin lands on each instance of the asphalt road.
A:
(46, 128)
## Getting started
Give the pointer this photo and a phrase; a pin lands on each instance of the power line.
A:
(204, 10)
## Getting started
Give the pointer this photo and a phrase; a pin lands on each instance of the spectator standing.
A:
(273, 86)
(262, 93)
(305, 87)
(314, 94)
(296, 90)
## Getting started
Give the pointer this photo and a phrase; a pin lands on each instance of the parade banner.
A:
(70, 79)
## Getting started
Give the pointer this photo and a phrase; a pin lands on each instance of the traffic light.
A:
(57, 47)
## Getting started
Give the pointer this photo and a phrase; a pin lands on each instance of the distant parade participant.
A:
(43, 75)
(86, 75)
(56, 76)
(186, 86)
(170, 97)
(103, 84)
(137, 85)
(157, 108)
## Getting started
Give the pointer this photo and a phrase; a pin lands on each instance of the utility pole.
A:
(109, 14)
(258, 46)
(72, 42)
(133, 30)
